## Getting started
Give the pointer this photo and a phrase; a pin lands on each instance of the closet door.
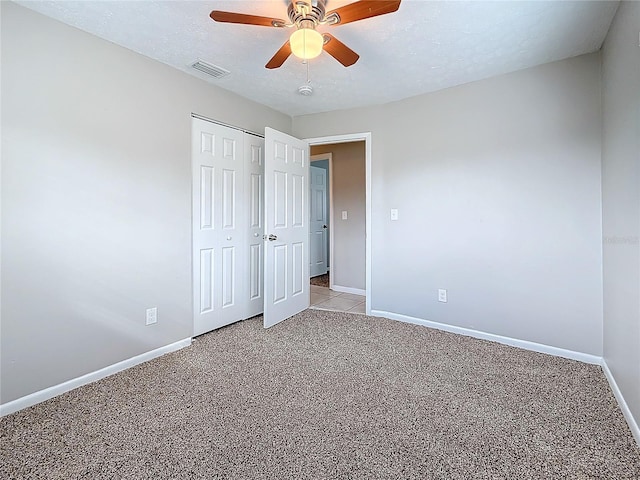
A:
(254, 213)
(218, 226)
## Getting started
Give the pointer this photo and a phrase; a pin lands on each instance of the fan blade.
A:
(364, 9)
(281, 55)
(339, 50)
(231, 17)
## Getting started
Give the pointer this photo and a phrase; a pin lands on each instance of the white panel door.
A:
(318, 221)
(254, 215)
(218, 226)
(286, 174)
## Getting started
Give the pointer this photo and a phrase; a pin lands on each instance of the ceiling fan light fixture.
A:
(306, 15)
(306, 43)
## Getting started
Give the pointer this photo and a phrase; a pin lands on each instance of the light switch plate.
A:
(344, 215)
(394, 214)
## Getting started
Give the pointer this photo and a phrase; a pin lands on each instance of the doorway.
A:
(344, 159)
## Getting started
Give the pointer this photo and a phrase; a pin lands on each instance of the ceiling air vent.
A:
(209, 69)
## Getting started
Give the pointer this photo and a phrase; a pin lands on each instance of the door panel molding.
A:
(319, 222)
(217, 226)
(254, 214)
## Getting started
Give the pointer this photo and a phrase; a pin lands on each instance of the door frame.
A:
(348, 138)
(329, 158)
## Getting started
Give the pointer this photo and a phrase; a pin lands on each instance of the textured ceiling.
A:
(423, 47)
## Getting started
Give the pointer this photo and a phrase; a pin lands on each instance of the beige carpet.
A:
(330, 395)
(320, 280)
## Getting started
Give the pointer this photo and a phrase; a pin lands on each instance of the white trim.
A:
(356, 137)
(54, 391)
(514, 342)
(368, 261)
(355, 291)
(628, 416)
(332, 223)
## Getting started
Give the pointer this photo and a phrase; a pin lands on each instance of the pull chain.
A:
(306, 89)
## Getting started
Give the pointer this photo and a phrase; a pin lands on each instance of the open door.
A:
(286, 268)
(318, 222)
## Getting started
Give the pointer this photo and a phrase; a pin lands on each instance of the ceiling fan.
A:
(305, 15)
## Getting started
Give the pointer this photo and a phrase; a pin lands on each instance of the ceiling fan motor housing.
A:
(306, 10)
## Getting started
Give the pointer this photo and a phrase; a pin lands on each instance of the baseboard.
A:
(355, 291)
(514, 342)
(54, 391)
(628, 416)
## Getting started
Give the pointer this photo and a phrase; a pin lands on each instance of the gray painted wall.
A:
(349, 193)
(497, 184)
(96, 199)
(621, 202)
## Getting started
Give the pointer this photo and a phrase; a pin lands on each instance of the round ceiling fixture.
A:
(305, 90)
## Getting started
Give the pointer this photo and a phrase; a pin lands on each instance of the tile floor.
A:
(324, 299)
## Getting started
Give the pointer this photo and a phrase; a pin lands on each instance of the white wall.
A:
(621, 202)
(497, 184)
(96, 199)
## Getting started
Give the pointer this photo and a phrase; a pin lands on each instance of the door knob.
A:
(255, 234)
(272, 237)
(324, 226)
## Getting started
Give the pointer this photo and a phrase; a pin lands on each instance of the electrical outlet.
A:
(344, 215)
(442, 295)
(152, 316)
